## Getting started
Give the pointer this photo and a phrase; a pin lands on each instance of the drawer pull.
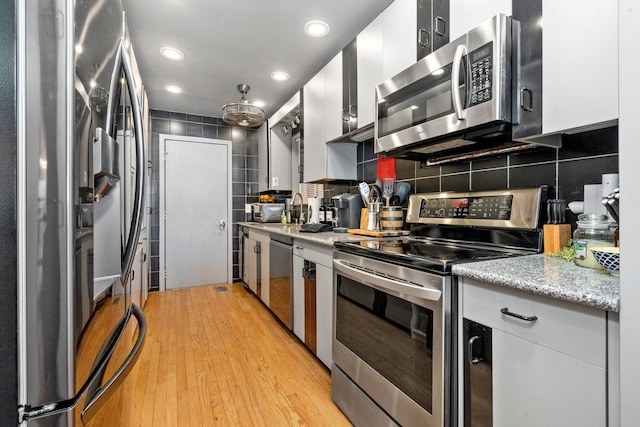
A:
(519, 316)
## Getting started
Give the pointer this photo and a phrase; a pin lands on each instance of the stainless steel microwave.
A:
(455, 97)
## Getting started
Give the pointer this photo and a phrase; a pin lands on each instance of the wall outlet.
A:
(274, 182)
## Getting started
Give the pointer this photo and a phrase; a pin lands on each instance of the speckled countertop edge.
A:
(545, 275)
(326, 238)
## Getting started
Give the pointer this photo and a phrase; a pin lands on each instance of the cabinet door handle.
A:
(423, 38)
(441, 26)
(506, 312)
(526, 106)
(473, 360)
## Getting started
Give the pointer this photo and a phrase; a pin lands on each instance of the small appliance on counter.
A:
(349, 207)
(266, 212)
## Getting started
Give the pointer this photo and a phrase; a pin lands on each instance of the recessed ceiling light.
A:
(316, 28)
(279, 76)
(172, 53)
(173, 89)
(260, 104)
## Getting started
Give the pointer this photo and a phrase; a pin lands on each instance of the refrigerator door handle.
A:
(136, 221)
(98, 396)
(90, 387)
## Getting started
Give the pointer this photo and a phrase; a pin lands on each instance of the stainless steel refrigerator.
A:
(75, 90)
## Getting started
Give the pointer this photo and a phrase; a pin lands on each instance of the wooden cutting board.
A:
(381, 233)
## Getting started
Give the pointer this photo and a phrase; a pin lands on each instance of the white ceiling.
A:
(237, 41)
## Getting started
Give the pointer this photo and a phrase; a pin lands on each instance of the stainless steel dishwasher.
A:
(280, 278)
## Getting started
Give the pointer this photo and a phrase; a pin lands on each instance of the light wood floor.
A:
(221, 359)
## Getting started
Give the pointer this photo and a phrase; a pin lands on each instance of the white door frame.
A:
(229, 228)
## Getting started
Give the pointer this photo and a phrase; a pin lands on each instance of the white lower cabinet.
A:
(259, 264)
(299, 274)
(324, 313)
(547, 367)
(535, 386)
(313, 298)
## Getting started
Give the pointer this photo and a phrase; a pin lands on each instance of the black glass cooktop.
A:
(421, 253)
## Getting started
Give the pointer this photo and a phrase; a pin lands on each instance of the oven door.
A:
(391, 335)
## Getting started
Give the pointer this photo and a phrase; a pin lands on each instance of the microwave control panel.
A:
(481, 61)
(486, 207)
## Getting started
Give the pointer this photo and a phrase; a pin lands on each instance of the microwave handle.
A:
(461, 112)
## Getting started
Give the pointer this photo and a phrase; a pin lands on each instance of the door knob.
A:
(222, 225)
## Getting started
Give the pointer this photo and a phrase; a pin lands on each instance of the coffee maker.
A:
(348, 208)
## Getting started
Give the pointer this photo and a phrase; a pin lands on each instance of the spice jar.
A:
(593, 230)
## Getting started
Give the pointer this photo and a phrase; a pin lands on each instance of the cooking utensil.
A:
(364, 192)
(387, 188)
(395, 200)
(402, 190)
(376, 192)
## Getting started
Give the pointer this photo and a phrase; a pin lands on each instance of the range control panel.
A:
(487, 207)
(511, 208)
(481, 74)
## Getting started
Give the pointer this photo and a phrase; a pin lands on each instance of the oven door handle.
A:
(385, 283)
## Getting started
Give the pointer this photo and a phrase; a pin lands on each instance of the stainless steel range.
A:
(394, 344)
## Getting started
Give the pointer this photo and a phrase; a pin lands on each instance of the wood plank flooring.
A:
(221, 359)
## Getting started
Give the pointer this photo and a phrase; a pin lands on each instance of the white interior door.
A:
(195, 192)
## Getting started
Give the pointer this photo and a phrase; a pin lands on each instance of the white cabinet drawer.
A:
(572, 329)
(315, 253)
(260, 236)
(298, 249)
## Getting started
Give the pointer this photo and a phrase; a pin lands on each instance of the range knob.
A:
(440, 213)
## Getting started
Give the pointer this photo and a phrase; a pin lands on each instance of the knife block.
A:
(364, 218)
(556, 236)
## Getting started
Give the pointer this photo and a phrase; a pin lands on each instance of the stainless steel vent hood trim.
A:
(362, 134)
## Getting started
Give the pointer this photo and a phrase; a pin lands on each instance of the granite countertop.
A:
(545, 275)
(326, 238)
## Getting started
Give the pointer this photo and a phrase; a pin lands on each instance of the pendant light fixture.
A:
(243, 113)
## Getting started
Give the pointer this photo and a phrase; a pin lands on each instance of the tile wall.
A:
(582, 160)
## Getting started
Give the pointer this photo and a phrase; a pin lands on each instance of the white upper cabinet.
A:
(399, 37)
(465, 15)
(274, 159)
(369, 57)
(385, 47)
(333, 98)
(579, 57)
(580, 64)
(275, 149)
(322, 115)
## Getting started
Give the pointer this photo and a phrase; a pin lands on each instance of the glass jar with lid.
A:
(593, 230)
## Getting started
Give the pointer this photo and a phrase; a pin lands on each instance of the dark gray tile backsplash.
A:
(582, 160)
